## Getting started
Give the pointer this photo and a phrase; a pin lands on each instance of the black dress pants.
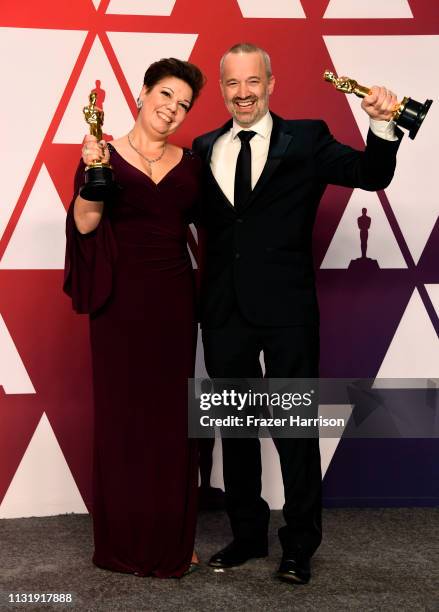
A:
(232, 351)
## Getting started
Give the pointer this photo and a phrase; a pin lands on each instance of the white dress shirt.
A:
(226, 150)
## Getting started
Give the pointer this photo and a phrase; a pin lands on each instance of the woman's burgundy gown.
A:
(134, 276)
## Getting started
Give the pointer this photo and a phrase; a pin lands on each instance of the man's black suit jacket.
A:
(261, 258)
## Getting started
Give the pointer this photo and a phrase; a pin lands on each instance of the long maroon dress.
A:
(133, 275)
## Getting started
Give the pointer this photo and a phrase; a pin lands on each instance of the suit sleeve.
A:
(201, 151)
(197, 220)
(197, 147)
(339, 164)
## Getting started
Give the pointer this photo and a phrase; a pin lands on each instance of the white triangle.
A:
(272, 486)
(402, 63)
(433, 292)
(414, 350)
(96, 3)
(328, 446)
(216, 477)
(290, 9)
(13, 375)
(194, 233)
(200, 367)
(141, 7)
(43, 484)
(372, 9)
(135, 51)
(381, 244)
(32, 84)
(38, 242)
(118, 118)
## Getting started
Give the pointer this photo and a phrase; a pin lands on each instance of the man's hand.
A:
(380, 103)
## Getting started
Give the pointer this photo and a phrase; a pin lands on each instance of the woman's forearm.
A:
(87, 214)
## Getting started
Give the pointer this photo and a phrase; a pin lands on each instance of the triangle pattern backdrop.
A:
(13, 374)
(372, 9)
(433, 292)
(118, 118)
(38, 242)
(44, 75)
(288, 9)
(381, 243)
(414, 350)
(148, 48)
(141, 7)
(371, 61)
(43, 483)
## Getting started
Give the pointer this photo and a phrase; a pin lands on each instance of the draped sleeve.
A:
(90, 258)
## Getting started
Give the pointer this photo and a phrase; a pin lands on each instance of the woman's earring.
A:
(139, 103)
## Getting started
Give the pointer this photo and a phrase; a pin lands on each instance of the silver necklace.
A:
(150, 161)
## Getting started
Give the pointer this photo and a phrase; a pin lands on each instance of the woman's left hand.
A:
(94, 151)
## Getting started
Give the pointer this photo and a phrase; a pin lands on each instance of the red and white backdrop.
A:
(387, 325)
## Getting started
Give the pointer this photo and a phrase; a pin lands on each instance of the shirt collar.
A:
(263, 127)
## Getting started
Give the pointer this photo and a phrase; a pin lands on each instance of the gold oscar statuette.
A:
(98, 179)
(407, 114)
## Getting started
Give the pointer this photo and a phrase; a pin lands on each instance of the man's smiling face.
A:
(246, 87)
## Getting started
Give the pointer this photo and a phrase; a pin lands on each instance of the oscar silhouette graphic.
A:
(364, 263)
(100, 98)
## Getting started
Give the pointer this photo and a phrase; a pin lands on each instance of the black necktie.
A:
(243, 174)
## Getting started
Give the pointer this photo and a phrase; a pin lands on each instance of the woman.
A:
(127, 265)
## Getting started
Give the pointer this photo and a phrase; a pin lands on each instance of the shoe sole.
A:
(291, 578)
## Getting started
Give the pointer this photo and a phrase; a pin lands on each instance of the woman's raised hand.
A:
(94, 151)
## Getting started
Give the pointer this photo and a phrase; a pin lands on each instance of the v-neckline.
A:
(164, 177)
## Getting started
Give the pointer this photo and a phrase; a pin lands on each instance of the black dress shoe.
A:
(236, 554)
(297, 571)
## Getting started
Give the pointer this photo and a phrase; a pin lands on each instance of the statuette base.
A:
(98, 184)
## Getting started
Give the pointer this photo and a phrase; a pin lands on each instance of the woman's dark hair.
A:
(171, 67)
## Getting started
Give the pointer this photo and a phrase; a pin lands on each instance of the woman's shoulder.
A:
(193, 162)
(114, 145)
(117, 141)
(191, 156)
(185, 152)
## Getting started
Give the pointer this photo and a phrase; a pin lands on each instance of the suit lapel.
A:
(279, 141)
(213, 137)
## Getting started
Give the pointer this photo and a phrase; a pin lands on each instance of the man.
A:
(264, 179)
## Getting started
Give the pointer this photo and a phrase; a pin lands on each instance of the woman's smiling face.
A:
(165, 105)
